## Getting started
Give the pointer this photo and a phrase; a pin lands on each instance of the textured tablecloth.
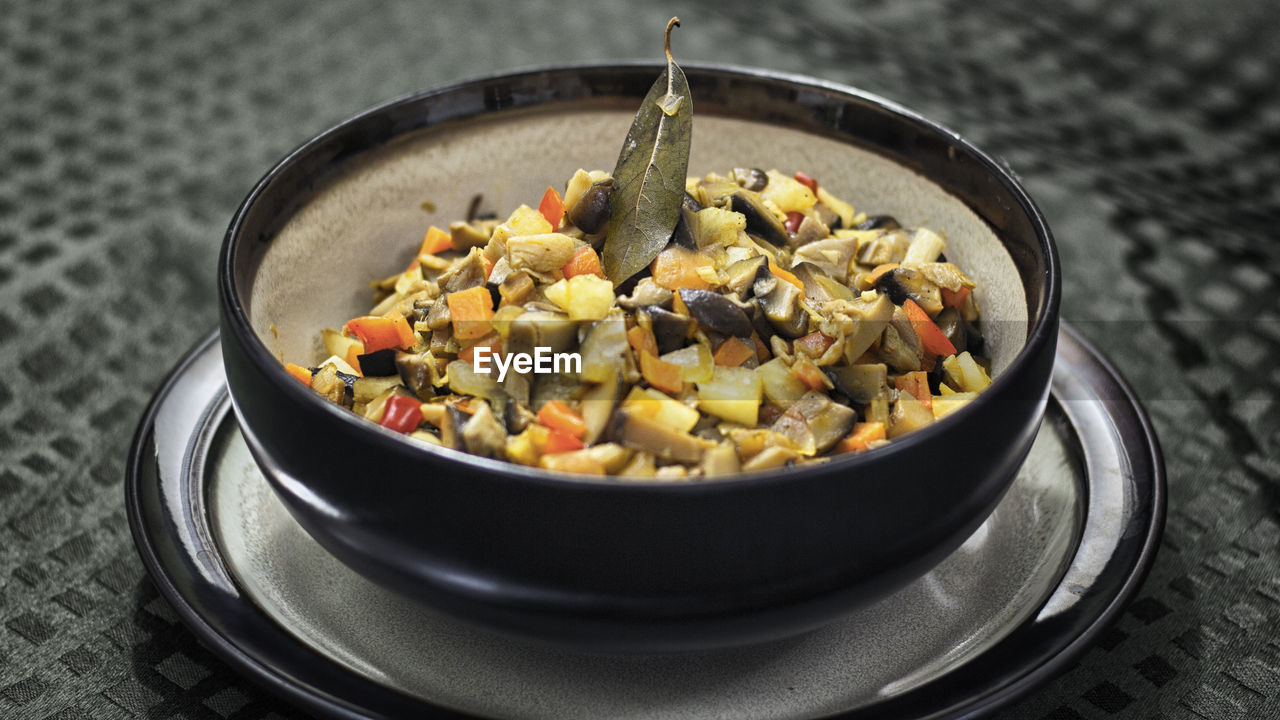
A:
(1149, 132)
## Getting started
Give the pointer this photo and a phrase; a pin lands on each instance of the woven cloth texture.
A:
(1149, 133)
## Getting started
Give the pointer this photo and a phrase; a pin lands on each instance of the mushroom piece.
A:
(885, 247)
(715, 312)
(753, 179)
(761, 221)
(780, 301)
(954, 327)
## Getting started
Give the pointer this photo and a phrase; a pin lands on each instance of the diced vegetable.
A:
(558, 442)
(733, 393)
(695, 361)
(785, 275)
(814, 344)
(931, 337)
(964, 374)
(642, 340)
(809, 374)
(676, 267)
(299, 373)
(804, 179)
(651, 404)
(585, 261)
(562, 418)
(733, 352)
(954, 299)
(917, 384)
(660, 373)
(944, 405)
(780, 385)
(436, 241)
(552, 208)
(378, 333)
(908, 415)
(583, 297)
(470, 311)
(860, 439)
(401, 414)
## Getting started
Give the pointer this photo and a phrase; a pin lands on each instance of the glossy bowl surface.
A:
(597, 562)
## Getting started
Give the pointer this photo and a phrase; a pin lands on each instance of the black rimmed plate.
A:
(1052, 566)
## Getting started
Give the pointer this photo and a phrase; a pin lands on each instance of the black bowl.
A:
(597, 562)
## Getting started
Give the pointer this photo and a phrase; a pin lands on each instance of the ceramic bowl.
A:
(592, 562)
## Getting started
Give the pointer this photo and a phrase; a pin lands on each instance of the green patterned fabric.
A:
(1149, 132)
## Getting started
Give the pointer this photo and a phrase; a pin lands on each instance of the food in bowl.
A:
(777, 326)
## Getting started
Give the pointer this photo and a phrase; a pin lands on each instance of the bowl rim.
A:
(1044, 318)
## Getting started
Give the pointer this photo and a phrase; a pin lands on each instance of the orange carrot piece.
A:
(562, 419)
(436, 241)
(470, 311)
(552, 208)
(814, 344)
(488, 265)
(762, 350)
(955, 299)
(787, 275)
(492, 341)
(733, 352)
(931, 336)
(917, 384)
(661, 374)
(303, 375)
(809, 374)
(585, 261)
(878, 272)
(642, 340)
(864, 433)
(558, 442)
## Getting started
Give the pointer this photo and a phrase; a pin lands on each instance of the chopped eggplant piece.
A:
(742, 274)
(720, 460)
(591, 213)
(378, 363)
(819, 287)
(953, 326)
(650, 436)
(780, 301)
(540, 328)
(671, 330)
(713, 311)
(515, 289)
(419, 373)
(900, 346)
(761, 221)
(832, 256)
(860, 383)
(452, 425)
(683, 234)
(878, 222)
(483, 434)
(597, 407)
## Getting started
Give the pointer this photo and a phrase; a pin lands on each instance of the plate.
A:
(1055, 562)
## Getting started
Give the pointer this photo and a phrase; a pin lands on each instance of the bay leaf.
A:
(648, 180)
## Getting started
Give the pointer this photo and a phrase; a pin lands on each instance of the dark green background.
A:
(1149, 132)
